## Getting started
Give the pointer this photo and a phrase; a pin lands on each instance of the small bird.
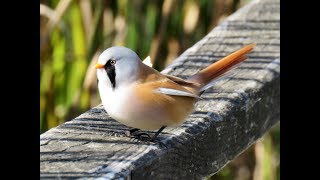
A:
(141, 97)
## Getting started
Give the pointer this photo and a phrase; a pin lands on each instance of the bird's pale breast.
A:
(143, 108)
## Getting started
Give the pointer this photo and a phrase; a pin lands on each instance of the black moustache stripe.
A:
(111, 71)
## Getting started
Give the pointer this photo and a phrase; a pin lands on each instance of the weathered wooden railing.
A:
(231, 116)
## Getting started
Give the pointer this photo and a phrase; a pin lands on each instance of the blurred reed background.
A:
(74, 33)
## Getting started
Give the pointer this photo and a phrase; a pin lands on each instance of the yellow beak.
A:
(98, 66)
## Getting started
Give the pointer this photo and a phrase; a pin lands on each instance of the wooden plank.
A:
(231, 116)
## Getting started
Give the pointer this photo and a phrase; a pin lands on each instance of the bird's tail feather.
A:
(219, 69)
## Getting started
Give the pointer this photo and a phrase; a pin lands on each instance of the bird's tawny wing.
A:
(172, 88)
(180, 80)
(167, 84)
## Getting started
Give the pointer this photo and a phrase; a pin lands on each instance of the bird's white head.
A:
(118, 66)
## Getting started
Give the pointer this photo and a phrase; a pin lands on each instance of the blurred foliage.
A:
(74, 33)
(260, 162)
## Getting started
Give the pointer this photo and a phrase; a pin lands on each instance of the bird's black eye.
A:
(112, 62)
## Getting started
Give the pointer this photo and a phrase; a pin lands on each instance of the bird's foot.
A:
(131, 131)
(141, 137)
(144, 137)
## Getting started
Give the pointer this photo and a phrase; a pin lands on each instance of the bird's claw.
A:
(141, 137)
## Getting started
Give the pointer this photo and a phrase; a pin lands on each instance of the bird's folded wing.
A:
(180, 80)
(175, 92)
(167, 84)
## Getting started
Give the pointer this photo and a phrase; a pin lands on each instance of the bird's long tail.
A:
(218, 69)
